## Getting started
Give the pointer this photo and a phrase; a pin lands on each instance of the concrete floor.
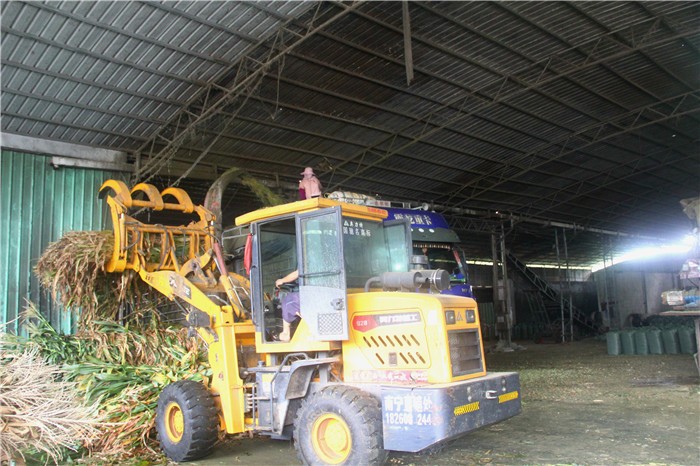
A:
(580, 406)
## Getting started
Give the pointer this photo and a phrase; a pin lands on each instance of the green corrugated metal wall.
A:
(37, 205)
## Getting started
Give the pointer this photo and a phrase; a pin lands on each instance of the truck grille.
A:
(465, 351)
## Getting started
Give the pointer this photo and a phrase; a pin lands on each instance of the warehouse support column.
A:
(568, 288)
(407, 49)
(501, 300)
(561, 295)
(497, 303)
(507, 301)
(613, 284)
(607, 316)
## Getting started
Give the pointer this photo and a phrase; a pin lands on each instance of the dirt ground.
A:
(580, 406)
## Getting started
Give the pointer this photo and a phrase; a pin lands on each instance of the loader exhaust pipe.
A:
(422, 280)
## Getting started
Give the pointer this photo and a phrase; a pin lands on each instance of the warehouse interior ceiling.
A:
(523, 115)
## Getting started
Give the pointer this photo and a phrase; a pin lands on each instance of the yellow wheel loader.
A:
(377, 360)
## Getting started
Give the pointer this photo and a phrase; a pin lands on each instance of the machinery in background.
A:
(379, 361)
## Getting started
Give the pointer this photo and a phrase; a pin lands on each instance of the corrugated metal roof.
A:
(581, 112)
(111, 73)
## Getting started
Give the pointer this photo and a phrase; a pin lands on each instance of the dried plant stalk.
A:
(39, 410)
(72, 269)
(121, 369)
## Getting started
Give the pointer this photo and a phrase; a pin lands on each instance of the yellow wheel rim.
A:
(174, 422)
(331, 439)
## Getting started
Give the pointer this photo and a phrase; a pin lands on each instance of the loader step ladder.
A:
(253, 401)
(550, 293)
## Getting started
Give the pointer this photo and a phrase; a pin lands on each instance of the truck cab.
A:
(434, 239)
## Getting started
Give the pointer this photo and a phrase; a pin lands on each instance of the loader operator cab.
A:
(335, 253)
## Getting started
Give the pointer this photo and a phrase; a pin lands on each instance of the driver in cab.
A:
(290, 305)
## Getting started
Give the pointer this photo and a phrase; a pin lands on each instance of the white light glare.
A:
(683, 247)
(690, 240)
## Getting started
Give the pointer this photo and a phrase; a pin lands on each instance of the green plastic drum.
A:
(641, 345)
(613, 339)
(671, 341)
(627, 340)
(654, 341)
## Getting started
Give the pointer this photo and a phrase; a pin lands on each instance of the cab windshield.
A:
(370, 249)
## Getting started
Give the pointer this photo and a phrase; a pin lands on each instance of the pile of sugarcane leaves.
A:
(118, 371)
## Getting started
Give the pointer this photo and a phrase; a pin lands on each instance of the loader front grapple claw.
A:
(155, 247)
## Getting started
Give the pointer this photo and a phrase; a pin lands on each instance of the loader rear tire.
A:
(187, 421)
(340, 425)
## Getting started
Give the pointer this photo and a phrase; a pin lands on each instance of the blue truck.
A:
(433, 237)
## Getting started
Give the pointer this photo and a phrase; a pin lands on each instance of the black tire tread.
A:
(198, 406)
(366, 406)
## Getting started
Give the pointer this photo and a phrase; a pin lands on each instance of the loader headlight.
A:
(450, 317)
(471, 316)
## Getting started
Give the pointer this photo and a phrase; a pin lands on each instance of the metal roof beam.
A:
(610, 36)
(383, 183)
(380, 183)
(414, 119)
(477, 103)
(408, 92)
(457, 151)
(573, 6)
(483, 225)
(666, 21)
(487, 141)
(389, 168)
(576, 189)
(601, 131)
(495, 72)
(394, 169)
(196, 19)
(261, 7)
(533, 61)
(242, 82)
(266, 143)
(435, 144)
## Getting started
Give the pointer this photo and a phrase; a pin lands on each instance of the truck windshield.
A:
(370, 249)
(441, 257)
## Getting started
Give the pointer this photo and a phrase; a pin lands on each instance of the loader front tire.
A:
(187, 421)
(339, 425)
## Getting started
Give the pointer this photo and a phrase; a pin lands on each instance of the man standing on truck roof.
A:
(310, 184)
